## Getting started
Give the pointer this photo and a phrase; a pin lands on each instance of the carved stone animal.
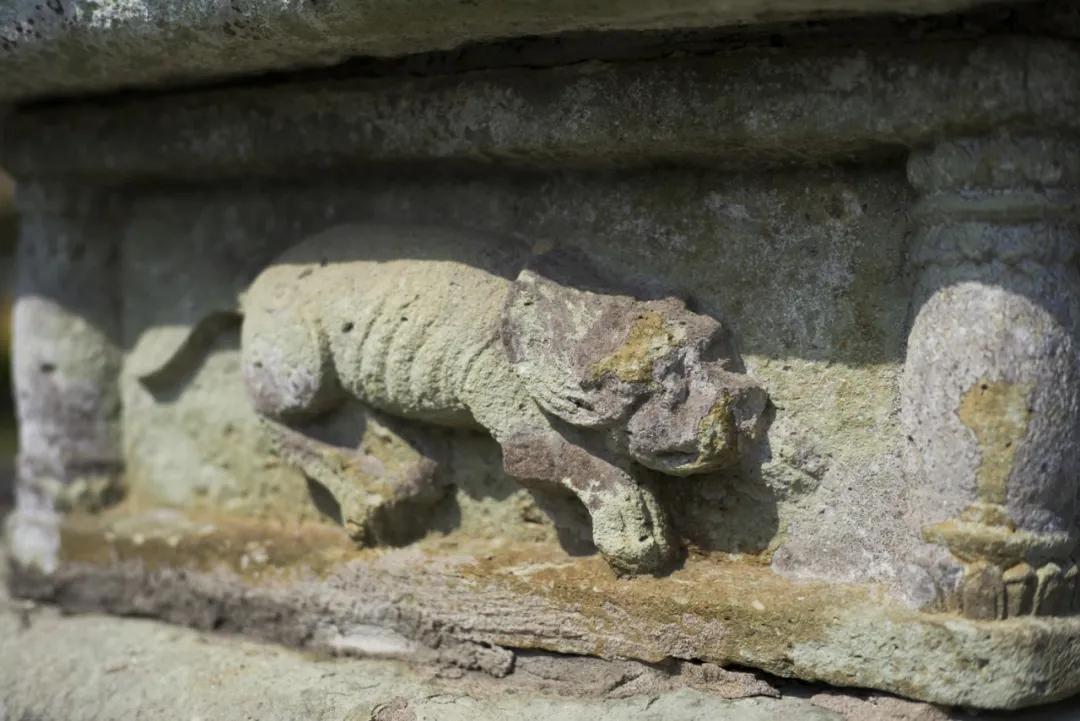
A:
(580, 387)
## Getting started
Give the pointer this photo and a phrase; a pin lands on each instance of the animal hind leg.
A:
(377, 478)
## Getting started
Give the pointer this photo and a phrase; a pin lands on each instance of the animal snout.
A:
(749, 407)
(706, 432)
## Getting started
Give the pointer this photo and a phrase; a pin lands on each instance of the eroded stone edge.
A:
(739, 109)
(473, 608)
(67, 46)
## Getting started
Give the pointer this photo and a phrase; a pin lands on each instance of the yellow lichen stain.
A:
(717, 428)
(254, 549)
(997, 412)
(649, 339)
(727, 610)
(983, 536)
(711, 594)
(984, 532)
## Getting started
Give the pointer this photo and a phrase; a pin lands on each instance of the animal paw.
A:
(630, 529)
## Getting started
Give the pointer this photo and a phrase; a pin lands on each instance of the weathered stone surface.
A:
(123, 668)
(65, 364)
(575, 384)
(991, 408)
(887, 232)
(75, 46)
(474, 606)
(116, 668)
(836, 455)
(746, 109)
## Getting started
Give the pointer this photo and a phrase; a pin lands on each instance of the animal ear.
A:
(285, 357)
(558, 337)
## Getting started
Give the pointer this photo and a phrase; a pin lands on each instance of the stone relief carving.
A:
(990, 400)
(583, 388)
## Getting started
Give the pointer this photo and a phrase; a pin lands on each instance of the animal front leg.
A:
(629, 527)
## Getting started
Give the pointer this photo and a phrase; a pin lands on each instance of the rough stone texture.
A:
(66, 363)
(122, 669)
(116, 668)
(573, 382)
(991, 391)
(475, 605)
(829, 315)
(896, 530)
(59, 47)
(738, 513)
(736, 109)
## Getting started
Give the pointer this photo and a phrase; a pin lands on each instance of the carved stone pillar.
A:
(66, 362)
(991, 387)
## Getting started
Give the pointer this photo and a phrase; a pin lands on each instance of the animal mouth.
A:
(676, 461)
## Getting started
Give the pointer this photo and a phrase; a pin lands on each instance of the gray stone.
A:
(63, 47)
(66, 364)
(125, 668)
(337, 447)
(744, 111)
(990, 409)
(475, 605)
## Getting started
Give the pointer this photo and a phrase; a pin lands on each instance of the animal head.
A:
(661, 379)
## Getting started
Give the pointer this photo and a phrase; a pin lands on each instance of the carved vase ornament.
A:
(582, 389)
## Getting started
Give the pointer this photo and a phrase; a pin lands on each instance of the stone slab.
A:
(475, 606)
(63, 47)
(122, 668)
(753, 108)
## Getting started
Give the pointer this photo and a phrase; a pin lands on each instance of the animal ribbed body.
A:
(405, 327)
(411, 333)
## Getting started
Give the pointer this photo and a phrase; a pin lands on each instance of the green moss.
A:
(649, 339)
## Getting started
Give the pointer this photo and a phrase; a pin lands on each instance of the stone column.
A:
(991, 385)
(66, 360)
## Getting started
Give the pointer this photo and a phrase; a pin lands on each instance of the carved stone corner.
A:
(991, 383)
(67, 349)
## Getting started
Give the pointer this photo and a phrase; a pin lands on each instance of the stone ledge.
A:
(122, 668)
(748, 109)
(75, 46)
(475, 605)
(125, 668)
